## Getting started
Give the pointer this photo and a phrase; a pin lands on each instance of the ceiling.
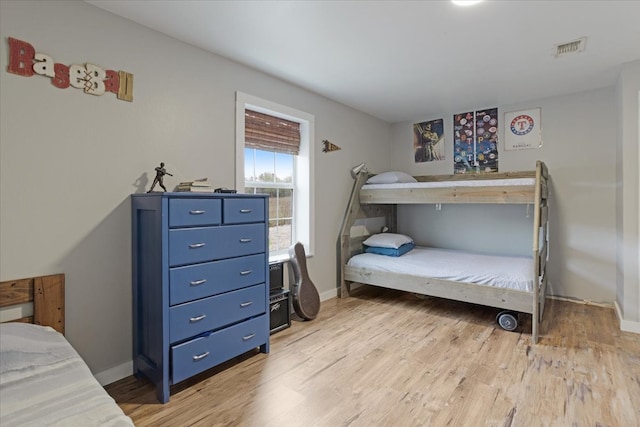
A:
(406, 60)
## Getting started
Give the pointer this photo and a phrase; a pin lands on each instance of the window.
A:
(270, 172)
(274, 156)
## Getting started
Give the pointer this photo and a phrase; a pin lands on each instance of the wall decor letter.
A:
(76, 76)
(112, 81)
(61, 78)
(44, 65)
(21, 56)
(95, 80)
(92, 79)
(126, 86)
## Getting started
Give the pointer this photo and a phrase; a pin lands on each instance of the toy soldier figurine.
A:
(160, 173)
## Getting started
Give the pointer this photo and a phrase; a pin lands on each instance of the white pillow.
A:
(391, 178)
(388, 240)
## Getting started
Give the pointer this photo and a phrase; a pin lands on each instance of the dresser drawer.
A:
(238, 211)
(193, 318)
(194, 212)
(196, 281)
(191, 245)
(205, 352)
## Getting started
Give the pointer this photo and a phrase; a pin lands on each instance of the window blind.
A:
(270, 133)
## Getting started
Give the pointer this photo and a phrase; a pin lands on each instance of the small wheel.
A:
(507, 320)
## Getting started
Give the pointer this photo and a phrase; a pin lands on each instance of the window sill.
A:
(283, 257)
(278, 258)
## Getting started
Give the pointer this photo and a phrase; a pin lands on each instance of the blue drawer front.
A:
(238, 211)
(202, 353)
(202, 280)
(193, 318)
(191, 245)
(192, 212)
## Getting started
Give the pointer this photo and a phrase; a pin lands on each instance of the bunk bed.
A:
(520, 290)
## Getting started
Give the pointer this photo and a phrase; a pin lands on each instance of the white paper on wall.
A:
(523, 129)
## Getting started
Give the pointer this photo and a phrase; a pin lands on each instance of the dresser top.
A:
(189, 194)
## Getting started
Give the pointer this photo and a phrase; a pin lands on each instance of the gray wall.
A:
(628, 196)
(579, 133)
(69, 161)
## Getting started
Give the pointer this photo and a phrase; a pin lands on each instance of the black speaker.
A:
(276, 276)
(280, 310)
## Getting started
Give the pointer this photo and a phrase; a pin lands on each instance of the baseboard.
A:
(328, 294)
(626, 325)
(114, 374)
(581, 301)
(334, 292)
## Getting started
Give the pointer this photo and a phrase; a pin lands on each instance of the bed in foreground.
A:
(43, 380)
(516, 291)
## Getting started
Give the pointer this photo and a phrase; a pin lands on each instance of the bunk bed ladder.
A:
(540, 253)
(351, 245)
(350, 216)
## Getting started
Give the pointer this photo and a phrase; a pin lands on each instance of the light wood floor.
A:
(386, 358)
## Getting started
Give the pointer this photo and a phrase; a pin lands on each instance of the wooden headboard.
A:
(46, 293)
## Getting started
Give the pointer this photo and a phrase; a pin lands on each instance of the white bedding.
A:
(44, 382)
(449, 184)
(512, 272)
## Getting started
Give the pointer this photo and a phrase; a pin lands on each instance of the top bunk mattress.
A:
(456, 183)
(43, 381)
(518, 190)
(511, 272)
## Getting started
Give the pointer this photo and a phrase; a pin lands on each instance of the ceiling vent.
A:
(571, 47)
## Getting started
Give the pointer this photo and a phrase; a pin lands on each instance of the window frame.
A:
(303, 209)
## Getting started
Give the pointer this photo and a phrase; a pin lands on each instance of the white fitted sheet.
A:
(512, 272)
(449, 184)
(44, 382)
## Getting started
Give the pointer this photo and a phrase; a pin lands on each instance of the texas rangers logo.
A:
(522, 125)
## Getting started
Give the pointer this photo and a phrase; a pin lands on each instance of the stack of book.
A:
(196, 186)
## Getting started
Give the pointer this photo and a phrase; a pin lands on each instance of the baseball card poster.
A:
(475, 141)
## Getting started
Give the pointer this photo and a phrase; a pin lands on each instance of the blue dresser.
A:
(200, 282)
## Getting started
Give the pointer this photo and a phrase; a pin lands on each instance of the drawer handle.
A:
(245, 210)
(200, 356)
(246, 304)
(197, 318)
(246, 272)
(196, 245)
(248, 337)
(245, 240)
(196, 212)
(197, 282)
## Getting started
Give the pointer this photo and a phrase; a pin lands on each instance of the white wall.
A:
(69, 161)
(628, 197)
(579, 133)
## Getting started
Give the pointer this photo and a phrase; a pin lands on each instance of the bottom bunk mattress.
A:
(43, 381)
(511, 272)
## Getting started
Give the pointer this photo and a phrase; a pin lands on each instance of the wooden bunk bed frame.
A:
(370, 203)
(42, 295)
